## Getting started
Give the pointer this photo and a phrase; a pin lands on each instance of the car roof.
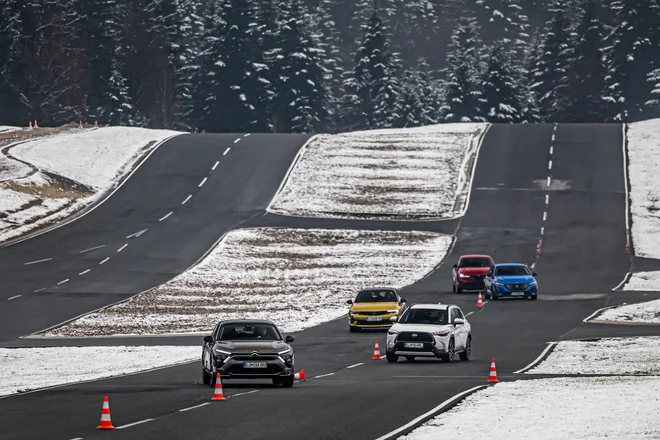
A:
(431, 306)
(367, 289)
(510, 264)
(476, 256)
(247, 321)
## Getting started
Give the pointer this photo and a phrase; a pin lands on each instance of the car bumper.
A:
(235, 370)
(366, 321)
(436, 349)
(470, 283)
(503, 292)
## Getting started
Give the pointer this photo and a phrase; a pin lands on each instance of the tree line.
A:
(327, 65)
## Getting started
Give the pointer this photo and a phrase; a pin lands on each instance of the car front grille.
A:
(238, 369)
(365, 322)
(516, 286)
(414, 337)
(247, 357)
(383, 312)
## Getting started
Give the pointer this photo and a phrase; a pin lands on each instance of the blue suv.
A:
(510, 280)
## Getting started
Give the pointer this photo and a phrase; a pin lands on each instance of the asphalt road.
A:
(581, 261)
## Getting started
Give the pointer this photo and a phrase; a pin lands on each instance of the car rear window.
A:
(263, 332)
(376, 296)
(511, 270)
(475, 262)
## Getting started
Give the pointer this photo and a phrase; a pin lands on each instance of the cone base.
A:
(493, 381)
(105, 427)
(376, 358)
(214, 398)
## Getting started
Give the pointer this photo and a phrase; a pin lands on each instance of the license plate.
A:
(413, 345)
(255, 364)
(375, 318)
(518, 294)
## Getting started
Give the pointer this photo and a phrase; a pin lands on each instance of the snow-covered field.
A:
(68, 172)
(295, 277)
(639, 355)
(553, 409)
(24, 369)
(644, 312)
(4, 128)
(416, 173)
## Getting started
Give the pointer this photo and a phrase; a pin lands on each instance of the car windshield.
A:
(475, 262)
(237, 332)
(502, 271)
(376, 296)
(424, 316)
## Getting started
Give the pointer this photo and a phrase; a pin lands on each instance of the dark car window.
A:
(511, 270)
(475, 262)
(376, 296)
(424, 316)
(239, 332)
(457, 314)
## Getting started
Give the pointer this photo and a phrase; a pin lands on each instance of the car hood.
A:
(373, 306)
(515, 279)
(250, 346)
(427, 328)
(473, 270)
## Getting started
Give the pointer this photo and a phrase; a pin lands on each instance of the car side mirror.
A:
(208, 339)
(404, 300)
(394, 318)
(289, 339)
(534, 274)
(350, 301)
(455, 266)
(459, 321)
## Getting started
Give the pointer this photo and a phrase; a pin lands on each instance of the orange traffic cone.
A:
(480, 301)
(106, 423)
(376, 352)
(538, 248)
(30, 125)
(35, 124)
(300, 376)
(493, 373)
(80, 125)
(217, 393)
(627, 250)
(96, 124)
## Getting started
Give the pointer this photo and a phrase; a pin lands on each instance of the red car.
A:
(469, 272)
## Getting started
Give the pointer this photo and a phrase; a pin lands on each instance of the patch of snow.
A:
(13, 200)
(553, 409)
(643, 281)
(5, 128)
(639, 355)
(644, 312)
(295, 277)
(24, 369)
(417, 173)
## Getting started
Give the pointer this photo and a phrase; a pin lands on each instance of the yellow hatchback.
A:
(373, 308)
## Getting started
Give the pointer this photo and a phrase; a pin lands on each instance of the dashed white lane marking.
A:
(552, 149)
(203, 182)
(542, 230)
(226, 151)
(547, 199)
(104, 261)
(215, 165)
(553, 136)
(85, 271)
(39, 290)
(187, 198)
(122, 248)
(93, 249)
(77, 438)
(63, 281)
(323, 375)
(468, 314)
(243, 394)
(236, 141)
(194, 407)
(550, 165)
(549, 180)
(135, 423)
(137, 234)
(545, 215)
(38, 261)
(246, 135)
(169, 214)
(356, 365)
(14, 297)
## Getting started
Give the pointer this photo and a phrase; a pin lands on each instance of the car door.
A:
(488, 281)
(460, 332)
(463, 328)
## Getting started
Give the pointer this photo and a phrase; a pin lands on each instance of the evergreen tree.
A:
(654, 79)
(549, 75)
(501, 97)
(191, 28)
(10, 61)
(504, 21)
(271, 49)
(419, 99)
(635, 52)
(464, 66)
(586, 71)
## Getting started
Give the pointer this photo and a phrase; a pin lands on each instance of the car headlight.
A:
(288, 350)
(499, 284)
(393, 311)
(219, 352)
(392, 332)
(533, 283)
(442, 332)
(462, 275)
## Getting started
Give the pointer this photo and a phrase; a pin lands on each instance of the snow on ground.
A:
(556, 409)
(416, 173)
(4, 128)
(24, 369)
(643, 281)
(298, 278)
(70, 171)
(640, 355)
(644, 312)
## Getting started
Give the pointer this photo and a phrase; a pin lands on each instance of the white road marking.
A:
(137, 234)
(187, 198)
(14, 297)
(545, 215)
(202, 182)
(547, 199)
(135, 423)
(104, 261)
(63, 281)
(537, 360)
(226, 151)
(246, 135)
(39, 290)
(84, 272)
(553, 136)
(215, 165)
(542, 230)
(550, 165)
(533, 264)
(169, 214)
(549, 180)
(552, 149)
(356, 365)
(122, 248)
(468, 314)
(38, 261)
(194, 407)
(323, 375)
(236, 141)
(77, 438)
(555, 129)
(94, 248)
(243, 394)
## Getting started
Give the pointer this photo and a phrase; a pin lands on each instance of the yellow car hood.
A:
(374, 306)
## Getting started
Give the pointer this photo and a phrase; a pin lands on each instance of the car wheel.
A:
(449, 357)
(459, 290)
(206, 377)
(287, 382)
(493, 297)
(465, 354)
(277, 381)
(353, 329)
(534, 298)
(410, 358)
(391, 357)
(453, 287)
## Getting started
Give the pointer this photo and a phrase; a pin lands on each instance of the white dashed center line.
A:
(549, 180)
(356, 365)
(14, 297)
(243, 394)
(215, 165)
(542, 230)
(552, 149)
(203, 182)
(550, 165)
(169, 214)
(236, 141)
(94, 248)
(226, 151)
(323, 375)
(39, 290)
(38, 261)
(246, 135)
(137, 234)
(135, 423)
(187, 198)
(553, 136)
(194, 407)
(547, 199)
(468, 314)
(63, 281)
(122, 248)
(545, 215)
(84, 272)
(104, 261)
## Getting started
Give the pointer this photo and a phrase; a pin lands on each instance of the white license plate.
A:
(413, 345)
(375, 318)
(255, 364)
(518, 294)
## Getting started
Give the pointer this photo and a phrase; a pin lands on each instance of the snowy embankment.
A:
(645, 312)
(417, 173)
(46, 180)
(5, 128)
(22, 371)
(615, 407)
(295, 277)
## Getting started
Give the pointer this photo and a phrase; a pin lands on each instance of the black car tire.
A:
(391, 357)
(459, 290)
(493, 297)
(449, 357)
(206, 377)
(453, 287)
(465, 354)
(353, 329)
(287, 382)
(535, 297)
